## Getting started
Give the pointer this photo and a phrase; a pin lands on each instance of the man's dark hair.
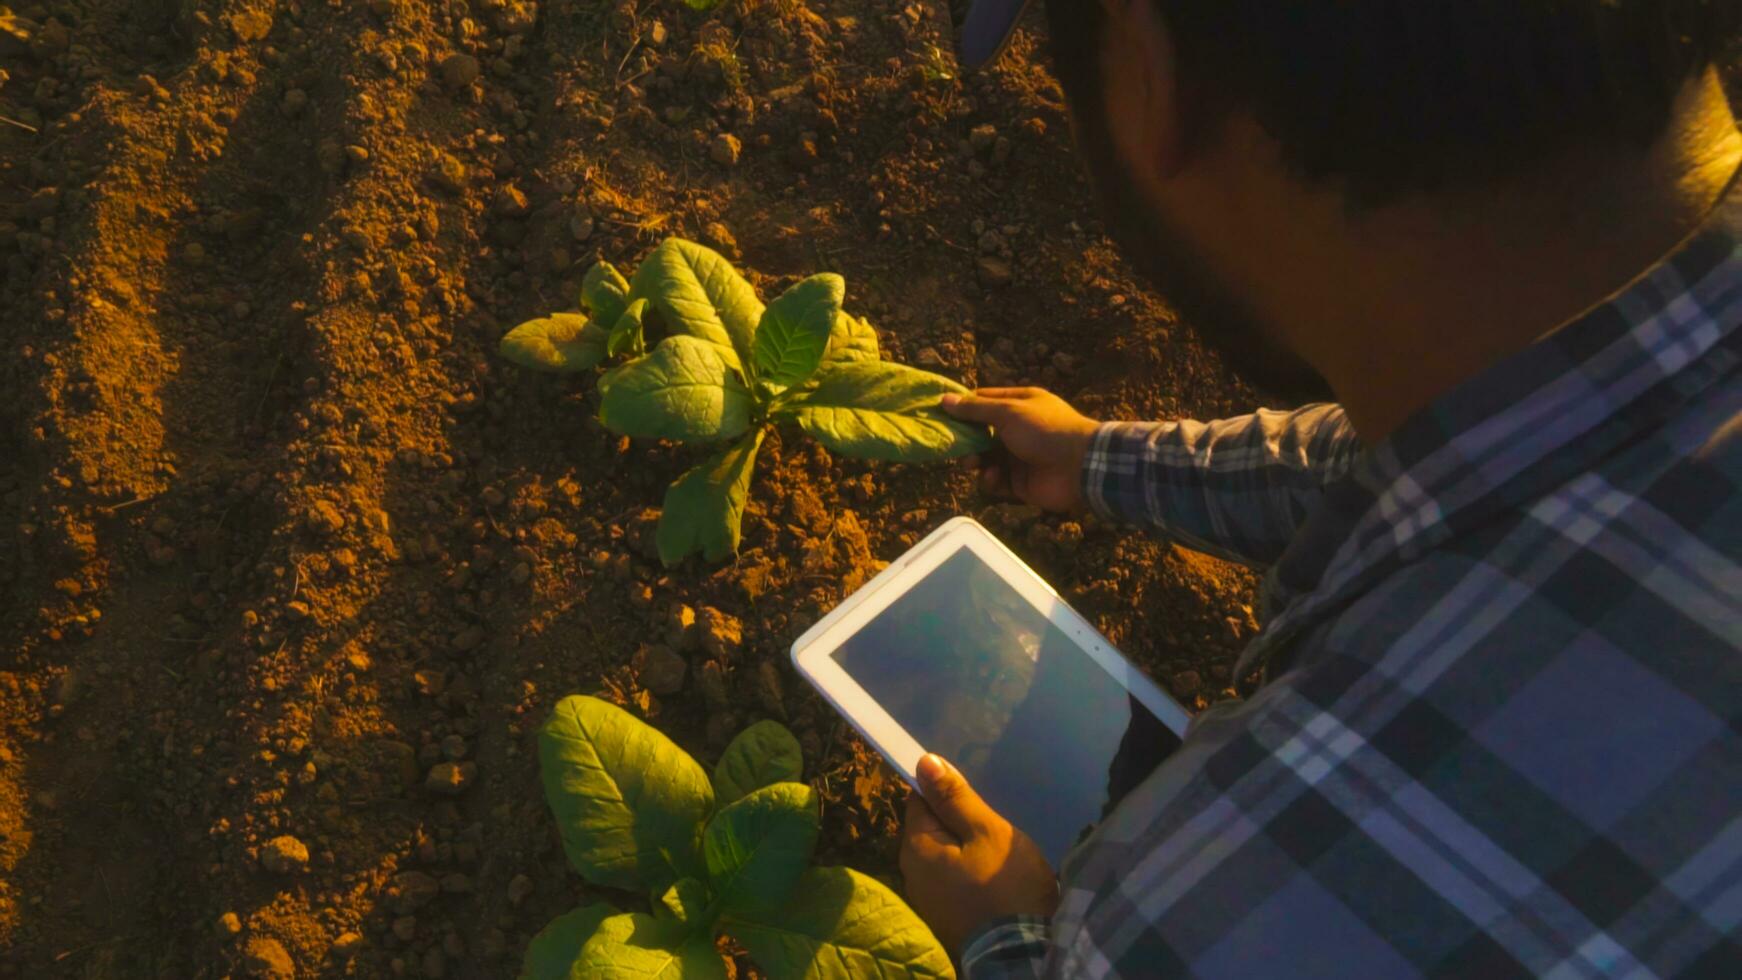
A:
(1394, 96)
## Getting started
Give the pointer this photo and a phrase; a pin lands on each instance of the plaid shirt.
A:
(1501, 729)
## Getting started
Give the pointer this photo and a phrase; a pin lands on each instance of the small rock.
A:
(284, 854)
(430, 682)
(409, 891)
(450, 778)
(229, 924)
(716, 233)
(42, 204)
(459, 71)
(994, 271)
(721, 633)
(511, 202)
(661, 670)
(1069, 536)
(456, 884)
(725, 150)
(768, 689)
(520, 574)
(325, 518)
(265, 957)
(1187, 683)
(516, 16)
(348, 944)
(467, 639)
(654, 35)
(981, 138)
(712, 680)
(581, 224)
(449, 174)
(519, 890)
(1001, 150)
(250, 25)
(680, 629)
(330, 157)
(405, 928)
(454, 747)
(295, 101)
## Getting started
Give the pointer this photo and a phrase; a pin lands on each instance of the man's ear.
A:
(1140, 80)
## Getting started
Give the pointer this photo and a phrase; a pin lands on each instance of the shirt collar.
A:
(1524, 425)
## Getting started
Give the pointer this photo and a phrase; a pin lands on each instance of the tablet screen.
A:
(980, 676)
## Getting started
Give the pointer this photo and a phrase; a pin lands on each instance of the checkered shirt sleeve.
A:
(1236, 488)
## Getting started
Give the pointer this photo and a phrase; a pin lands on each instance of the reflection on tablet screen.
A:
(977, 674)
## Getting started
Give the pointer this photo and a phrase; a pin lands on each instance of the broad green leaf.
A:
(758, 846)
(699, 294)
(761, 755)
(794, 330)
(840, 924)
(686, 900)
(626, 335)
(628, 802)
(640, 946)
(559, 342)
(683, 390)
(851, 339)
(705, 507)
(881, 410)
(552, 953)
(604, 293)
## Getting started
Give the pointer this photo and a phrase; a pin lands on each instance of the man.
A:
(1500, 729)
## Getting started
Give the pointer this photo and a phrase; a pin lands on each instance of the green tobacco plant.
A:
(727, 854)
(707, 362)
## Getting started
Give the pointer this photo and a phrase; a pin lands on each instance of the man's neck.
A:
(1407, 302)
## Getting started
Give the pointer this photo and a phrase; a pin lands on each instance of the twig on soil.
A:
(112, 508)
(21, 125)
(90, 946)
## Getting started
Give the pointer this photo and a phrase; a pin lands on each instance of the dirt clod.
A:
(409, 891)
(721, 633)
(450, 778)
(284, 854)
(266, 958)
(680, 629)
(661, 670)
(460, 70)
(725, 150)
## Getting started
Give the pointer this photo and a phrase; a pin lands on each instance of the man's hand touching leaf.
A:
(1042, 444)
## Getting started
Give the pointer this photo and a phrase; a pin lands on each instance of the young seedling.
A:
(726, 368)
(727, 854)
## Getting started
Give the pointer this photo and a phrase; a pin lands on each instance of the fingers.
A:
(1009, 394)
(923, 837)
(952, 801)
(973, 408)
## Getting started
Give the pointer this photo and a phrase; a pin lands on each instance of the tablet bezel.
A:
(813, 652)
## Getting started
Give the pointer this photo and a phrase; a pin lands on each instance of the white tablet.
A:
(961, 649)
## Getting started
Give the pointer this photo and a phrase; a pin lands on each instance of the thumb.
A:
(949, 796)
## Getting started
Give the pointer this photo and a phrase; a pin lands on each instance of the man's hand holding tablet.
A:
(965, 865)
(959, 652)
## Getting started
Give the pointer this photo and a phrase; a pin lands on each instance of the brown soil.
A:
(280, 531)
